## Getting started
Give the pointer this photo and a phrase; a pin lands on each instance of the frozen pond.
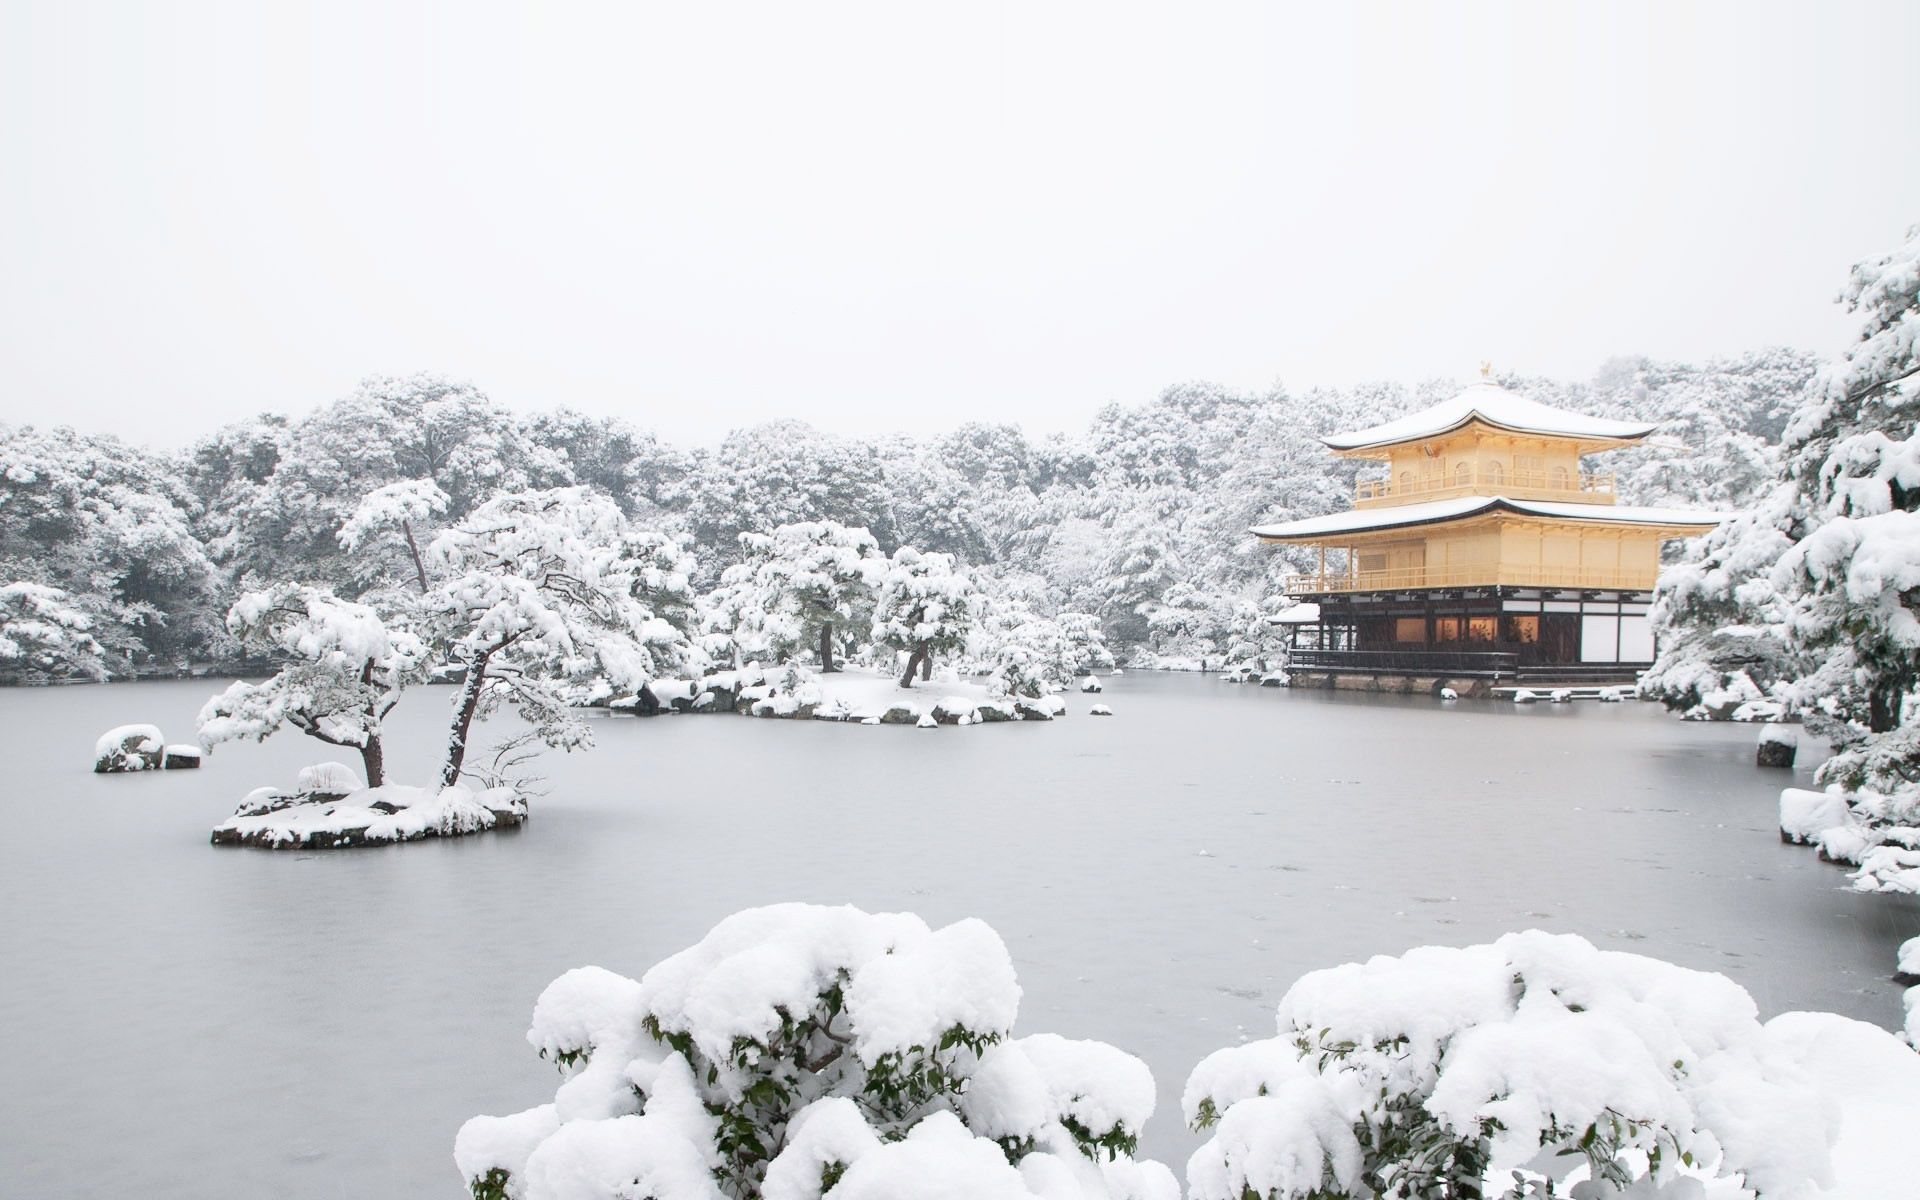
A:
(183, 1021)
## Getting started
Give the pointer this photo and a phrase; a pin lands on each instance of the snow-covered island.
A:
(331, 808)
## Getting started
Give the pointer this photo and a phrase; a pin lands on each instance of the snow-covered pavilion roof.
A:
(1368, 520)
(1490, 404)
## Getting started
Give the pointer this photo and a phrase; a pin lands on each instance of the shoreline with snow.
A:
(853, 696)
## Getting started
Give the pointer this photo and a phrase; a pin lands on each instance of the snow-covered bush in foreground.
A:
(1498, 1070)
(800, 1052)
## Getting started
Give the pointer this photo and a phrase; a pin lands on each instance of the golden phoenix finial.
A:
(1486, 369)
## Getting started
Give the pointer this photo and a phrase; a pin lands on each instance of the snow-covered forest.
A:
(117, 560)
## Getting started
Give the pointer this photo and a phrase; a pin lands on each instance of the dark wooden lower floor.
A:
(1502, 633)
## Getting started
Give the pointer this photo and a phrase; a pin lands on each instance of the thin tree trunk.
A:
(913, 663)
(463, 718)
(1883, 709)
(413, 548)
(373, 759)
(826, 650)
(926, 663)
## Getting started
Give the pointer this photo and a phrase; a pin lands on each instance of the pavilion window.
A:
(1406, 481)
(1446, 629)
(1410, 629)
(1525, 630)
(1495, 474)
(1463, 475)
(1529, 470)
(1373, 562)
(1559, 479)
(1481, 629)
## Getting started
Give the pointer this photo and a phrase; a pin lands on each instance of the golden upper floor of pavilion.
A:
(1486, 441)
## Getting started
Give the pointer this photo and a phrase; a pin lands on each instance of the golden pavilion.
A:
(1484, 550)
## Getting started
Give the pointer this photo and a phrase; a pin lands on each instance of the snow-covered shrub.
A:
(44, 635)
(1492, 1070)
(799, 1052)
(1086, 644)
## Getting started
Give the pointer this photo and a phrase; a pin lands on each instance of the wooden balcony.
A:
(1479, 575)
(1519, 485)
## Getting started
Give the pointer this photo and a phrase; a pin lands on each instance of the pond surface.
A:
(178, 1020)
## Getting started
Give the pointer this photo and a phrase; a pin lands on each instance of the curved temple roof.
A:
(1493, 405)
(1437, 511)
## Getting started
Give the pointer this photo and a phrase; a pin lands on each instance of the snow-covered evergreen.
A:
(798, 1051)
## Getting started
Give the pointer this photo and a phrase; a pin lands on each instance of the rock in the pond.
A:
(1099, 710)
(129, 748)
(1612, 695)
(870, 720)
(1449, 694)
(994, 711)
(1523, 696)
(1038, 708)
(1561, 695)
(1906, 970)
(899, 714)
(1805, 815)
(955, 710)
(1276, 679)
(926, 721)
(1777, 746)
(181, 758)
(1090, 684)
(327, 781)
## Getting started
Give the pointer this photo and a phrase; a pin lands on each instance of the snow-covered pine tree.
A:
(542, 598)
(1813, 593)
(926, 606)
(345, 667)
(803, 585)
(384, 523)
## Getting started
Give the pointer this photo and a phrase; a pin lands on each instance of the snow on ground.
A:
(1876, 1081)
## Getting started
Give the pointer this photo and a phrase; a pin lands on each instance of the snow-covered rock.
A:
(1805, 815)
(1524, 696)
(1090, 684)
(926, 721)
(1907, 963)
(1561, 695)
(1612, 695)
(367, 816)
(181, 757)
(1777, 746)
(1100, 710)
(1447, 693)
(1274, 679)
(129, 748)
(328, 781)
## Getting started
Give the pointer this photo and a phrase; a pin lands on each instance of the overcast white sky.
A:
(901, 217)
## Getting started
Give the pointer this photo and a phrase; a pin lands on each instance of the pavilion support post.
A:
(1322, 583)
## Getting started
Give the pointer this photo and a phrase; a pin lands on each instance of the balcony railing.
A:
(1485, 575)
(1484, 664)
(1521, 485)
